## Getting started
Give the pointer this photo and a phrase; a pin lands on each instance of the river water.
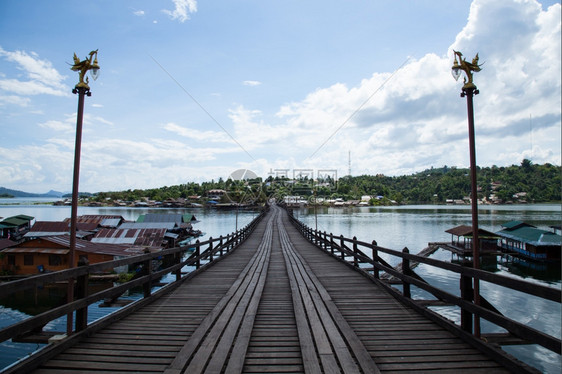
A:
(392, 227)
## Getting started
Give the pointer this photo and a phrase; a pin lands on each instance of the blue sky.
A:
(194, 90)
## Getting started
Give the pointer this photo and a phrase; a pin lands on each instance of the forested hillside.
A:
(528, 182)
(517, 183)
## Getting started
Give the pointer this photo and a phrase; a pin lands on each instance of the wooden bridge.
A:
(282, 299)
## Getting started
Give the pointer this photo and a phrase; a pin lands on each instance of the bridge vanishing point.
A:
(276, 302)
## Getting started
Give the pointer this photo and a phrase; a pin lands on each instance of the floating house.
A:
(530, 242)
(14, 228)
(461, 240)
(52, 254)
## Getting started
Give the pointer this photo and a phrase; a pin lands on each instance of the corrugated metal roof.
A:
(532, 235)
(25, 217)
(147, 225)
(52, 226)
(36, 234)
(5, 243)
(165, 217)
(64, 243)
(464, 230)
(52, 251)
(13, 221)
(96, 218)
(87, 246)
(142, 237)
(111, 222)
(515, 224)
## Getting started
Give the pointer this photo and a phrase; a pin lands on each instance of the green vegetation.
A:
(517, 183)
(527, 182)
(125, 277)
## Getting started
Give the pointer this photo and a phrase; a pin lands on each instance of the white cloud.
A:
(58, 126)
(42, 77)
(251, 83)
(183, 9)
(418, 118)
(138, 13)
(15, 100)
(202, 136)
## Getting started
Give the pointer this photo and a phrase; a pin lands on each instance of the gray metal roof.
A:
(148, 225)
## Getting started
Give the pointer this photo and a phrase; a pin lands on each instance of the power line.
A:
(201, 106)
(359, 108)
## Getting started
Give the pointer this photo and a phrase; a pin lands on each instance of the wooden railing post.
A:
(81, 292)
(317, 240)
(467, 295)
(332, 243)
(355, 261)
(146, 287)
(210, 249)
(375, 256)
(342, 246)
(197, 254)
(177, 261)
(406, 271)
(220, 245)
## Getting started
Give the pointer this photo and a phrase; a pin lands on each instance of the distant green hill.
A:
(15, 193)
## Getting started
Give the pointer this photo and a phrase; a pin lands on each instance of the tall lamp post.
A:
(82, 89)
(469, 90)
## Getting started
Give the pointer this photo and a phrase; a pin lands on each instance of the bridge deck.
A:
(277, 304)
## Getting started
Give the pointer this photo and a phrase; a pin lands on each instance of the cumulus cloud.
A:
(418, 118)
(41, 76)
(183, 8)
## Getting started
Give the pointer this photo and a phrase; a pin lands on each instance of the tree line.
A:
(516, 183)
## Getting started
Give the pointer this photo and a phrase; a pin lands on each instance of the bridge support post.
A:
(332, 243)
(80, 293)
(210, 249)
(466, 294)
(342, 246)
(406, 271)
(220, 245)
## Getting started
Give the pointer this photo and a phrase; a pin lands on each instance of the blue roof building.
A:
(530, 241)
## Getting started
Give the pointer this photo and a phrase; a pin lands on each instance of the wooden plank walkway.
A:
(277, 304)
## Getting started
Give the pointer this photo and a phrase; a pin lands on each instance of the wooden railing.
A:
(354, 253)
(203, 255)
